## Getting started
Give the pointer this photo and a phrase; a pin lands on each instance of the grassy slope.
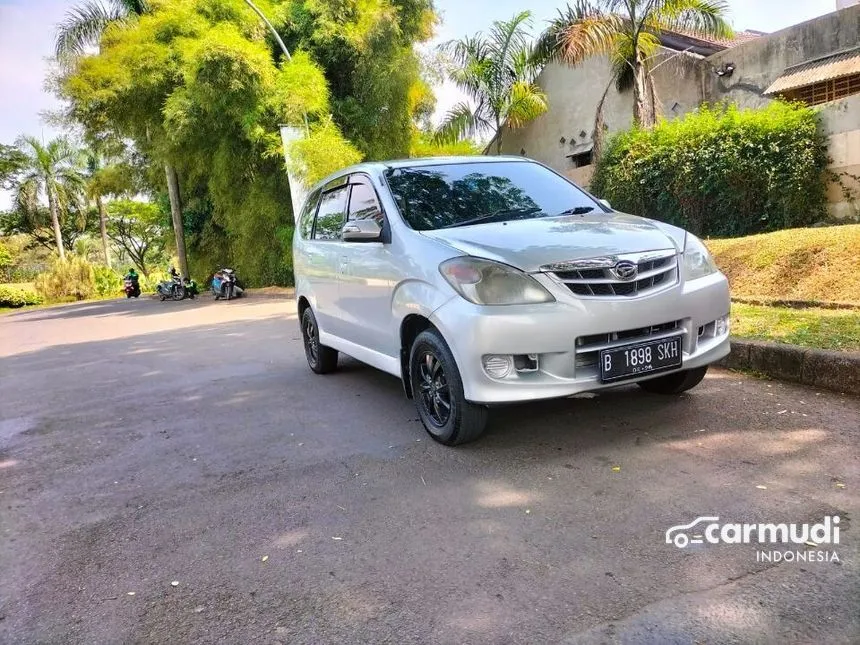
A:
(822, 328)
(819, 264)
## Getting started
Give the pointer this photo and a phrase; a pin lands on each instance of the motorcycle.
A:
(226, 285)
(131, 286)
(177, 288)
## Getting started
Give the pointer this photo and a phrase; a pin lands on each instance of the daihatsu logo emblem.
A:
(625, 270)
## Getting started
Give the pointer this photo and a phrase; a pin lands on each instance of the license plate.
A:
(630, 361)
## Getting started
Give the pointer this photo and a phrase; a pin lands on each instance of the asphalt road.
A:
(144, 444)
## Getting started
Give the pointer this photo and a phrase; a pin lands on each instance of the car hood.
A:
(530, 244)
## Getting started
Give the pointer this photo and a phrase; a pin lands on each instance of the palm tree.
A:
(85, 23)
(497, 73)
(628, 31)
(53, 171)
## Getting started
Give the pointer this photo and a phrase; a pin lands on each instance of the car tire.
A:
(321, 359)
(436, 383)
(675, 383)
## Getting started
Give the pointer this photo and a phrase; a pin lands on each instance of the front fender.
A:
(419, 297)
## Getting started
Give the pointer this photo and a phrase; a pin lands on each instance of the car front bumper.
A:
(565, 337)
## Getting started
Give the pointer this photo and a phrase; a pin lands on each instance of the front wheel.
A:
(178, 292)
(675, 383)
(438, 391)
(321, 359)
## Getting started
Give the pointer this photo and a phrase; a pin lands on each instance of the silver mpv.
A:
(490, 280)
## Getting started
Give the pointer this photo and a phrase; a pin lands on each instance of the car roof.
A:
(377, 167)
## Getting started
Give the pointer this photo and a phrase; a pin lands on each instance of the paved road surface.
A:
(143, 443)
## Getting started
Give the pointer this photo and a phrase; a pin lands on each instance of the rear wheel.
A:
(321, 359)
(675, 383)
(438, 391)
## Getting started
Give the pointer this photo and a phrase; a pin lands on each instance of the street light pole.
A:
(271, 28)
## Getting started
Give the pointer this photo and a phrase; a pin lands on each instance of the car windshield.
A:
(462, 194)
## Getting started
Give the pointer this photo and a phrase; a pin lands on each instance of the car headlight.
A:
(698, 262)
(484, 282)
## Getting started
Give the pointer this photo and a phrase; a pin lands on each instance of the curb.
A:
(838, 371)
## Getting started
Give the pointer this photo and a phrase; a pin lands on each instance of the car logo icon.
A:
(625, 270)
(677, 534)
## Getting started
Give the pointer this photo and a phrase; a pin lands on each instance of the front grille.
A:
(588, 347)
(595, 278)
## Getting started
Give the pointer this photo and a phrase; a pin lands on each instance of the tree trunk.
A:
(498, 137)
(55, 222)
(653, 106)
(640, 95)
(176, 214)
(597, 137)
(103, 226)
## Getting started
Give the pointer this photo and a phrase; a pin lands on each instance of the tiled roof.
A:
(738, 38)
(845, 63)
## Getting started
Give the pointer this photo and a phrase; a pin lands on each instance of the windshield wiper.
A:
(578, 210)
(507, 213)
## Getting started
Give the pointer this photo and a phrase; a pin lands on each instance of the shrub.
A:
(72, 279)
(148, 284)
(107, 282)
(721, 171)
(16, 297)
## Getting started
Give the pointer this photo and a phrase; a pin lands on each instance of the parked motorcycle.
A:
(177, 288)
(131, 285)
(226, 285)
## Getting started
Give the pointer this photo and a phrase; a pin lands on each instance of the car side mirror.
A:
(605, 203)
(361, 230)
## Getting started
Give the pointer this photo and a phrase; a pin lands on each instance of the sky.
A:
(27, 32)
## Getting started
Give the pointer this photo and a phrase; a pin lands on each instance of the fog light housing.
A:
(721, 326)
(498, 366)
(526, 362)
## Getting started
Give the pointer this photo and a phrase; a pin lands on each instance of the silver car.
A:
(490, 280)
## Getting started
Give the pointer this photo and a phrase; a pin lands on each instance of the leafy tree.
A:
(36, 227)
(195, 86)
(366, 50)
(497, 73)
(53, 171)
(628, 31)
(11, 162)
(424, 145)
(111, 172)
(136, 227)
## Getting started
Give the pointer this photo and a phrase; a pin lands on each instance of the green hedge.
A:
(17, 297)
(721, 171)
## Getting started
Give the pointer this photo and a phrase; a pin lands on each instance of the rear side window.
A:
(364, 205)
(306, 220)
(331, 214)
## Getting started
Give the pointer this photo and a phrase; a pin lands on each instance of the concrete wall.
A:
(841, 120)
(759, 62)
(683, 81)
(573, 97)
